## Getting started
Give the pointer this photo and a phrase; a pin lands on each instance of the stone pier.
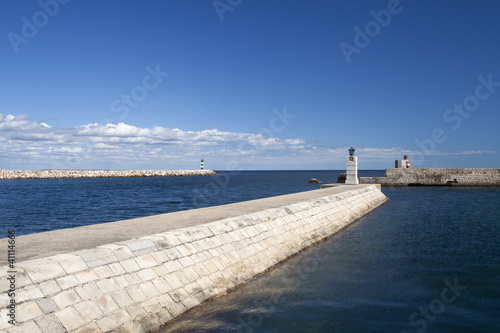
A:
(136, 275)
(47, 174)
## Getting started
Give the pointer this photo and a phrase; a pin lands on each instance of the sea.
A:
(426, 261)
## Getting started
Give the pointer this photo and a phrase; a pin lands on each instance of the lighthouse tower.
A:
(352, 168)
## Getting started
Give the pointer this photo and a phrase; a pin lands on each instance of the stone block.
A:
(190, 234)
(122, 281)
(186, 261)
(133, 278)
(171, 239)
(130, 265)
(70, 319)
(184, 251)
(92, 290)
(159, 240)
(29, 327)
(82, 293)
(146, 261)
(160, 257)
(200, 270)
(149, 289)
(47, 305)
(190, 302)
(49, 287)
(108, 286)
(27, 311)
(122, 298)
(161, 270)
(136, 294)
(40, 270)
(140, 246)
(66, 298)
(174, 281)
(49, 323)
(136, 311)
(68, 281)
(90, 328)
(28, 293)
(107, 324)
(151, 305)
(172, 253)
(149, 322)
(97, 256)
(121, 252)
(205, 283)
(162, 285)
(164, 316)
(147, 274)
(104, 271)
(107, 304)
(70, 263)
(174, 308)
(116, 268)
(220, 227)
(206, 230)
(121, 316)
(86, 276)
(4, 324)
(88, 310)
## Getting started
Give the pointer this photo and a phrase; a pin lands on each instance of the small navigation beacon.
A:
(352, 168)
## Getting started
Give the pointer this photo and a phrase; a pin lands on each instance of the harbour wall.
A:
(136, 275)
(436, 177)
(46, 174)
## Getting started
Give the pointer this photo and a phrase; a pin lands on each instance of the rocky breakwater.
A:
(45, 174)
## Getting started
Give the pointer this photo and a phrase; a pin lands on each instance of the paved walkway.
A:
(67, 240)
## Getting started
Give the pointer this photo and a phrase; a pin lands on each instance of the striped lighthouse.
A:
(202, 166)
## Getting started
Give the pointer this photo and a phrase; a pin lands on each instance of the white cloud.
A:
(26, 144)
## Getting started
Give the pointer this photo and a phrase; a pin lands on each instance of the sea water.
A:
(426, 261)
(37, 205)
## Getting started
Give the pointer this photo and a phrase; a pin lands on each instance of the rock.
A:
(314, 181)
(341, 178)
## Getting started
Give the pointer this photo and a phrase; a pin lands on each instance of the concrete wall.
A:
(451, 177)
(139, 284)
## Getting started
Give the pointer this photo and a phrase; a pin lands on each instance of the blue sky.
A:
(261, 84)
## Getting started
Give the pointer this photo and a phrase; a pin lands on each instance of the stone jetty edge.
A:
(51, 174)
(140, 284)
(456, 177)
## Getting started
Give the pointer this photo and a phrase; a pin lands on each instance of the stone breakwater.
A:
(139, 284)
(436, 177)
(44, 174)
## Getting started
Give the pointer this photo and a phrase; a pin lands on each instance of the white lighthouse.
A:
(352, 168)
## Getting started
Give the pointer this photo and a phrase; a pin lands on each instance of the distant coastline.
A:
(51, 174)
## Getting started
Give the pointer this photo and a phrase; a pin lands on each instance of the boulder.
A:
(341, 178)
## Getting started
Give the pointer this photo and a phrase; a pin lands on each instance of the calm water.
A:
(36, 205)
(427, 261)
